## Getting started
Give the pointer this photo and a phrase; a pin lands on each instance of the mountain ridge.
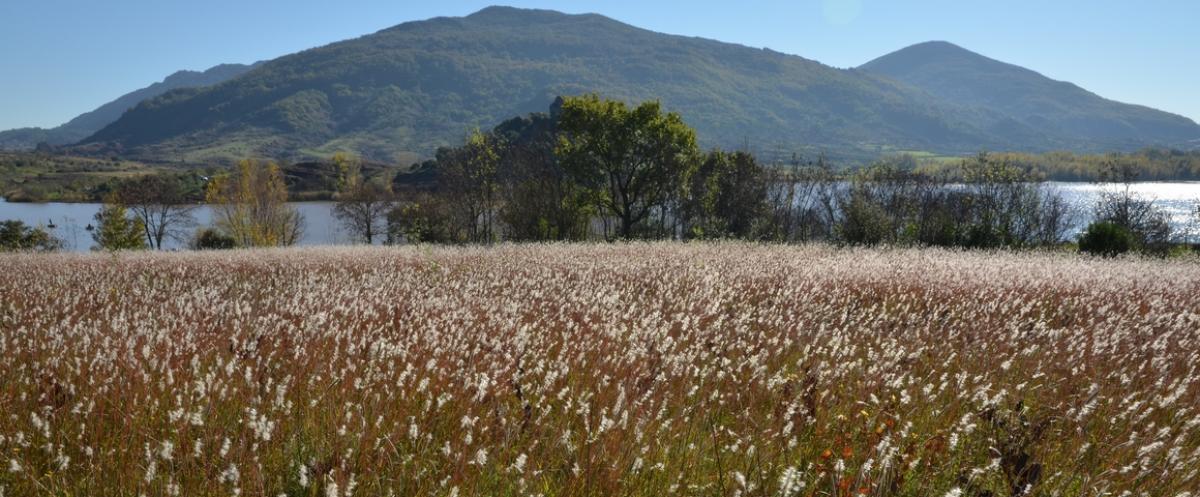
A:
(401, 92)
(86, 124)
(965, 77)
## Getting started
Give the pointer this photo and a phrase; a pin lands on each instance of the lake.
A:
(1179, 199)
(71, 220)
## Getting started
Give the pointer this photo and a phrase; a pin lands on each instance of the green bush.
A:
(15, 236)
(211, 239)
(864, 222)
(1107, 239)
(426, 219)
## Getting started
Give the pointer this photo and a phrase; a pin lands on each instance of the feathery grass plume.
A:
(623, 369)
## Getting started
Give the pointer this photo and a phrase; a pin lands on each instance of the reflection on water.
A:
(1179, 199)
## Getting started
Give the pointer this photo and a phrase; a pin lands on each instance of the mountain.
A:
(88, 123)
(1068, 115)
(398, 94)
(404, 91)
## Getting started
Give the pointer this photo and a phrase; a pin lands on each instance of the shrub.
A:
(1106, 238)
(426, 219)
(864, 222)
(15, 236)
(211, 239)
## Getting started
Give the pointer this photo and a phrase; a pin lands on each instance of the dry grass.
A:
(643, 370)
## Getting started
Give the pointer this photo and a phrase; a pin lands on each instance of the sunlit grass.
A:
(642, 369)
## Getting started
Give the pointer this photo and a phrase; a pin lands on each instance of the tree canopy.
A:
(634, 160)
(116, 229)
(250, 205)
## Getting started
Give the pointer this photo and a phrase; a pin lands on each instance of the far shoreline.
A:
(325, 197)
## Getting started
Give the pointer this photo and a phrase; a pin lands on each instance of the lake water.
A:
(70, 222)
(1179, 199)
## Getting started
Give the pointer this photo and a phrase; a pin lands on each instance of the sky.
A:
(60, 58)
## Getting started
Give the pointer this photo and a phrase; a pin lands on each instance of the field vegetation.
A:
(42, 177)
(644, 369)
(54, 177)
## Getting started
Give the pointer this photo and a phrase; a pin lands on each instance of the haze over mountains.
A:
(400, 93)
(86, 124)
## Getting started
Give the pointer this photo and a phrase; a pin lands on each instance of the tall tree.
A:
(116, 229)
(362, 206)
(635, 160)
(540, 202)
(469, 175)
(161, 203)
(251, 206)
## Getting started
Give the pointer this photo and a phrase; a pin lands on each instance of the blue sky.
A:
(59, 58)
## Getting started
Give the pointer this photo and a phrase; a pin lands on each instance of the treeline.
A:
(249, 209)
(596, 169)
(590, 169)
(1151, 164)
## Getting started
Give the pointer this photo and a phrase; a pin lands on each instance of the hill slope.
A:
(400, 93)
(88, 123)
(406, 90)
(1069, 115)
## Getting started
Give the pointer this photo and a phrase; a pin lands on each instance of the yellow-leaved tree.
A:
(250, 205)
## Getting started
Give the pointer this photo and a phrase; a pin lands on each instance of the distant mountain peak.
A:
(507, 11)
(936, 45)
(914, 57)
(502, 14)
(1076, 116)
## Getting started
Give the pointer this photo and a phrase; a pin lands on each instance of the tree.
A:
(250, 205)
(864, 220)
(426, 218)
(884, 203)
(1149, 225)
(117, 230)
(161, 203)
(634, 160)
(464, 195)
(1005, 201)
(801, 201)
(362, 206)
(539, 201)
(727, 196)
(348, 168)
(470, 176)
(15, 236)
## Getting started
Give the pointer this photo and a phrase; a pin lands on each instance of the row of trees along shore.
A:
(1151, 164)
(597, 169)
(249, 209)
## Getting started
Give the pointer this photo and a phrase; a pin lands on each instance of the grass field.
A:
(607, 370)
(31, 177)
(34, 177)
